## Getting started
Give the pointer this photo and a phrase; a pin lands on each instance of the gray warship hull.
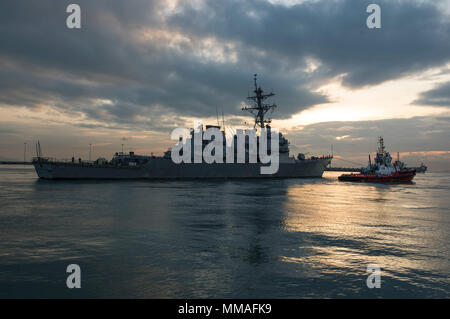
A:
(132, 166)
(161, 168)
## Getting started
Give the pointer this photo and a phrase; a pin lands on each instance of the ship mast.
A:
(381, 148)
(259, 109)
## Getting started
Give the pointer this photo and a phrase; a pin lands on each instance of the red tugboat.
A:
(382, 171)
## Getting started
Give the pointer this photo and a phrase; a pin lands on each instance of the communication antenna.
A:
(217, 115)
(332, 154)
(38, 149)
(223, 118)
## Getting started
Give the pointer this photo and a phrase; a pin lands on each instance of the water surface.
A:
(291, 238)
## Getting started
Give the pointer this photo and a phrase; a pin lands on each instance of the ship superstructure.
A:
(258, 110)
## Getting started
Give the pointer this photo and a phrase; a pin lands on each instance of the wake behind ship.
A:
(133, 166)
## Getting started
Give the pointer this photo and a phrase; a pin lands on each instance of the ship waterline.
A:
(162, 168)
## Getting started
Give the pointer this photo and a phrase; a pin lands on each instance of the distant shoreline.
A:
(15, 163)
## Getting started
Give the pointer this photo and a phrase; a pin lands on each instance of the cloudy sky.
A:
(137, 69)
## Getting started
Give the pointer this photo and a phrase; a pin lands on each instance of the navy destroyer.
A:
(133, 166)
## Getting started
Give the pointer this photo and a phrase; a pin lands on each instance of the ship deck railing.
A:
(82, 163)
(60, 160)
(322, 157)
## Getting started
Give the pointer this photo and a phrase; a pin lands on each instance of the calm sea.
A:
(290, 238)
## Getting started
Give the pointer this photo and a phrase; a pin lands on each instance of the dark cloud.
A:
(133, 63)
(414, 34)
(439, 96)
(66, 68)
(413, 135)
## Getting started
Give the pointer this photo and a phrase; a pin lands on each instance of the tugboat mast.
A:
(381, 148)
(259, 109)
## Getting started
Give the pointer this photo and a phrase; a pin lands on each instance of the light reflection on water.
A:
(197, 239)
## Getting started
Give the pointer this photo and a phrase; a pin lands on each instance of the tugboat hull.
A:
(397, 177)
